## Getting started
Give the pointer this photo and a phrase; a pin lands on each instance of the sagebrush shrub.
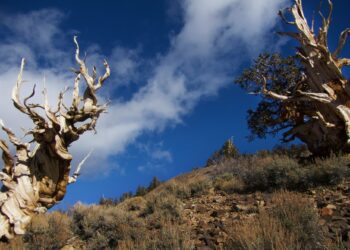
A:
(48, 231)
(105, 227)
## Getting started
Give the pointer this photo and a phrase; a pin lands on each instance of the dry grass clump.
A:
(162, 206)
(170, 236)
(229, 183)
(178, 188)
(135, 204)
(49, 231)
(15, 243)
(45, 231)
(291, 224)
(298, 216)
(263, 232)
(199, 186)
(192, 187)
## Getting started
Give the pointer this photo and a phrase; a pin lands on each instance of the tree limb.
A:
(76, 174)
(341, 43)
(272, 94)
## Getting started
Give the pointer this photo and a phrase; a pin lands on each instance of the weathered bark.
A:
(327, 127)
(35, 180)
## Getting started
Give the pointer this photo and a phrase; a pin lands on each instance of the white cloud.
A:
(155, 151)
(125, 63)
(37, 34)
(215, 38)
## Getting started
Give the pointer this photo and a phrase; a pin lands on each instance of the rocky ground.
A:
(209, 216)
(334, 209)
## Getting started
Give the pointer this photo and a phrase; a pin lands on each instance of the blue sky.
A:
(173, 65)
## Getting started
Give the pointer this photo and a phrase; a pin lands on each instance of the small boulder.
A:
(326, 212)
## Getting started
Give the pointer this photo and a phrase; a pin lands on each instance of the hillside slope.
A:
(263, 201)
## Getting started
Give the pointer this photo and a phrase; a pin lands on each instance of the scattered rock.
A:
(240, 208)
(201, 208)
(260, 203)
(210, 215)
(218, 213)
(331, 206)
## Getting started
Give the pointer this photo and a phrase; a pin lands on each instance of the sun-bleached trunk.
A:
(36, 179)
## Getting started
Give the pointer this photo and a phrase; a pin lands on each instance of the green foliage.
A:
(227, 151)
(282, 76)
(125, 196)
(141, 191)
(154, 183)
(295, 151)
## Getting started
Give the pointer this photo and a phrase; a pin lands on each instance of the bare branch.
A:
(271, 94)
(320, 97)
(342, 40)
(104, 77)
(76, 98)
(321, 117)
(83, 70)
(27, 109)
(7, 180)
(28, 97)
(7, 157)
(12, 137)
(94, 73)
(60, 100)
(299, 6)
(305, 34)
(322, 36)
(49, 114)
(90, 100)
(76, 174)
(15, 91)
(343, 62)
(280, 13)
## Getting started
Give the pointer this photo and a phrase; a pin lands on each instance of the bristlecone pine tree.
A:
(227, 151)
(312, 104)
(35, 180)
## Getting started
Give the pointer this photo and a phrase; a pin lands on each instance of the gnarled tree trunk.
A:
(35, 180)
(326, 128)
